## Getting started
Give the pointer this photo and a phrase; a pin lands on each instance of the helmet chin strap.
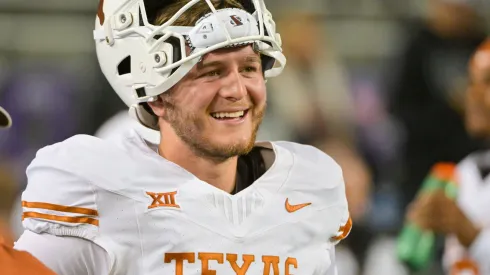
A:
(148, 120)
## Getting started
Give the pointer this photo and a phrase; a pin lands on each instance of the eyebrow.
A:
(250, 59)
(253, 58)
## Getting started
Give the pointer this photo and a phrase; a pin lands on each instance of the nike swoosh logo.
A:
(295, 207)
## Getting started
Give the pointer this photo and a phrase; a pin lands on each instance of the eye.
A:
(250, 69)
(211, 73)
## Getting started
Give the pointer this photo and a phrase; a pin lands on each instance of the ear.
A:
(157, 107)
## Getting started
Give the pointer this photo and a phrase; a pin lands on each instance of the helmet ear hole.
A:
(124, 66)
(267, 62)
(141, 92)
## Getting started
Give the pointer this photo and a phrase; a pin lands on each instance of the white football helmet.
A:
(141, 60)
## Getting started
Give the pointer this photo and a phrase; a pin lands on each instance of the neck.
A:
(220, 174)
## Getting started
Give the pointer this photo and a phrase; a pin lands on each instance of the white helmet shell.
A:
(141, 60)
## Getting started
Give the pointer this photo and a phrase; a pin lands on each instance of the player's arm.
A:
(65, 255)
(60, 217)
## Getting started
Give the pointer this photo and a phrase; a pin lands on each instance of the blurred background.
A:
(377, 84)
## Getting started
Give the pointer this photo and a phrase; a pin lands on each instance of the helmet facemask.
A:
(142, 60)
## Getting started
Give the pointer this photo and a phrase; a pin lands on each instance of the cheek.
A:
(257, 91)
(197, 97)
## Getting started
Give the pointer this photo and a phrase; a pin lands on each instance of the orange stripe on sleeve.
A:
(36, 215)
(61, 208)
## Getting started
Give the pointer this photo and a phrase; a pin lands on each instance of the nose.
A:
(233, 87)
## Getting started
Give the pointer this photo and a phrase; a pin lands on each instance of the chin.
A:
(232, 142)
(236, 146)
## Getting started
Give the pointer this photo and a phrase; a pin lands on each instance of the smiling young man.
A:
(207, 199)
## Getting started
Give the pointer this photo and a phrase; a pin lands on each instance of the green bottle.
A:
(451, 187)
(415, 247)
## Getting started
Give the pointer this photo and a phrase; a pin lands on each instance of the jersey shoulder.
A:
(61, 193)
(64, 150)
(312, 162)
(99, 161)
(57, 199)
(72, 184)
(80, 149)
(318, 179)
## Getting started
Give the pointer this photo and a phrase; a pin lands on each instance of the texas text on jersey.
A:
(154, 217)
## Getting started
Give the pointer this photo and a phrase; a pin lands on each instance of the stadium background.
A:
(343, 99)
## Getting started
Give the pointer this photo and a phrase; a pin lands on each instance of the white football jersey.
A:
(153, 217)
(474, 200)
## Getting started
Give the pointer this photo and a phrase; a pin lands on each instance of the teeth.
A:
(232, 115)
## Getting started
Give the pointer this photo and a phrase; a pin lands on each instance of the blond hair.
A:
(190, 16)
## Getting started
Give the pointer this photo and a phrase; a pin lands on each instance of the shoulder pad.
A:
(320, 178)
(312, 161)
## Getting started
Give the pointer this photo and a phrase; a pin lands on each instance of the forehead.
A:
(245, 53)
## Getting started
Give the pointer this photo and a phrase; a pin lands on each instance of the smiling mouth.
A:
(229, 115)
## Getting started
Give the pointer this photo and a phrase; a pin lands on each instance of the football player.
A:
(467, 220)
(12, 261)
(207, 199)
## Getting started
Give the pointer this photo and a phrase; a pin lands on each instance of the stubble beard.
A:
(189, 127)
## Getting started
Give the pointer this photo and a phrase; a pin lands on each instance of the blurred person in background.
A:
(311, 103)
(12, 262)
(466, 221)
(427, 96)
